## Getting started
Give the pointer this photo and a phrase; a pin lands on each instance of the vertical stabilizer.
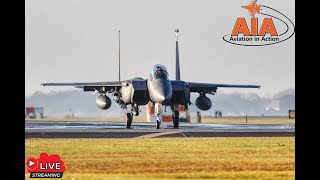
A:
(177, 56)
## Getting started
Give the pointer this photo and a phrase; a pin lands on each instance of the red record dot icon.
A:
(32, 163)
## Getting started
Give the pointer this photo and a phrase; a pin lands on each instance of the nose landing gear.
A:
(158, 121)
(158, 110)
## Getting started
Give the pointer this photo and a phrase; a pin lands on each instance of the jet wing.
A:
(90, 86)
(207, 87)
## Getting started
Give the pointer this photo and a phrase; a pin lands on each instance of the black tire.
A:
(158, 125)
(129, 120)
(176, 120)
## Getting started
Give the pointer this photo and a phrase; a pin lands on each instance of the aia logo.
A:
(45, 166)
(266, 26)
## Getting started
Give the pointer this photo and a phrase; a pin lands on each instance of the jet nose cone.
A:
(160, 91)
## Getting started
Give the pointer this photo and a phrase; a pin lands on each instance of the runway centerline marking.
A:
(183, 134)
(153, 135)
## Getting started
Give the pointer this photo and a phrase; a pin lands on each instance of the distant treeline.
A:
(82, 104)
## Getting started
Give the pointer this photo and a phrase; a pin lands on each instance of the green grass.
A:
(171, 158)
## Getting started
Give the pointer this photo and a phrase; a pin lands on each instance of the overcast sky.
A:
(76, 41)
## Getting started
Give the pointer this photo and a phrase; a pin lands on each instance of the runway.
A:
(63, 129)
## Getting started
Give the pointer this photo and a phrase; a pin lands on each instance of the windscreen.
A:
(159, 72)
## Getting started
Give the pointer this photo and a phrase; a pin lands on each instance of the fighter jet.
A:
(253, 8)
(157, 90)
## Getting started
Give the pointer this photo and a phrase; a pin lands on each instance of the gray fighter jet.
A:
(158, 90)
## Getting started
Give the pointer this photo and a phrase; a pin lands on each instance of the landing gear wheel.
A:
(129, 120)
(176, 120)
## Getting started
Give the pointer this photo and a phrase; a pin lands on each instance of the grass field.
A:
(171, 158)
(203, 120)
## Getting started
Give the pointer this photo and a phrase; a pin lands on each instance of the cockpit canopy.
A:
(159, 72)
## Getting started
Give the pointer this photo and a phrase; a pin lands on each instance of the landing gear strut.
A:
(134, 112)
(175, 116)
(158, 122)
(158, 110)
(176, 120)
(129, 120)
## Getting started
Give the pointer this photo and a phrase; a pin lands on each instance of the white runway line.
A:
(158, 134)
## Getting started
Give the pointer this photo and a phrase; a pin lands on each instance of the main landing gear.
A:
(129, 117)
(175, 116)
(129, 120)
(175, 119)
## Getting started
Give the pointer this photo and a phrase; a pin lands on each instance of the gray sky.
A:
(76, 40)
